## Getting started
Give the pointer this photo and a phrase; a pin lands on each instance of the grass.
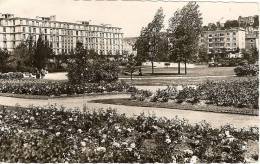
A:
(181, 106)
(198, 71)
(178, 81)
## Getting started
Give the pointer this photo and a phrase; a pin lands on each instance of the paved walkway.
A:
(215, 119)
(62, 76)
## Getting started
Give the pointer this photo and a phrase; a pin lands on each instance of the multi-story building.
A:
(223, 40)
(62, 36)
(252, 39)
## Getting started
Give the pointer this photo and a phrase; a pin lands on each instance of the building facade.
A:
(62, 36)
(223, 40)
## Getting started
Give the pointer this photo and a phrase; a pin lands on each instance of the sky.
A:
(131, 16)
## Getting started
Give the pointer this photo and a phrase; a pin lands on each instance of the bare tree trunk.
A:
(179, 67)
(152, 68)
(185, 66)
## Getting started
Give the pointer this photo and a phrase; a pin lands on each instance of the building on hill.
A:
(224, 41)
(62, 36)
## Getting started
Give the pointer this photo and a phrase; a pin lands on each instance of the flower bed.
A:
(56, 135)
(238, 93)
(57, 88)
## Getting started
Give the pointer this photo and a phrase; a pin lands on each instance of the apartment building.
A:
(62, 36)
(223, 40)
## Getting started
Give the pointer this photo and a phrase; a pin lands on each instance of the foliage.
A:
(231, 24)
(238, 93)
(164, 95)
(23, 56)
(11, 75)
(250, 55)
(140, 95)
(184, 30)
(151, 41)
(42, 53)
(58, 88)
(5, 60)
(188, 94)
(53, 134)
(88, 66)
(131, 64)
(247, 70)
(203, 54)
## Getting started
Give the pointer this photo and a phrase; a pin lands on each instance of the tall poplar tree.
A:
(184, 30)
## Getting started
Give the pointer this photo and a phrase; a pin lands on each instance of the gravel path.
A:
(215, 119)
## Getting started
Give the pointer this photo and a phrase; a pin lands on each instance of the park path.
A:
(62, 76)
(215, 119)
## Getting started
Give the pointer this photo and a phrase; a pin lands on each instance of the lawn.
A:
(198, 71)
(142, 81)
(181, 106)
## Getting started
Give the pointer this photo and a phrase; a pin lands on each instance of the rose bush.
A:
(57, 88)
(54, 134)
(247, 70)
(238, 93)
(11, 75)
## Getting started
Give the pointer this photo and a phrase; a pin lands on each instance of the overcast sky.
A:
(130, 15)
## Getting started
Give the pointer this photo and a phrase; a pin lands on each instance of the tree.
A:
(23, 56)
(251, 55)
(147, 43)
(88, 66)
(203, 54)
(231, 24)
(184, 30)
(41, 54)
(256, 21)
(5, 60)
(131, 65)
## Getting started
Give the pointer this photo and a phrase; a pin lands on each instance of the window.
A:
(251, 41)
(228, 39)
(45, 31)
(228, 44)
(24, 37)
(29, 29)
(210, 45)
(234, 33)
(221, 34)
(234, 38)
(4, 29)
(228, 33)
(234, 44)
(34, 30)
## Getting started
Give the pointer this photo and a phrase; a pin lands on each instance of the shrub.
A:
(188, 94)
(163, 95)
(11, 75)
(57, 88)
(247, 70)
(57, 135)
(88, 66)
(238, 93)
(140, 95)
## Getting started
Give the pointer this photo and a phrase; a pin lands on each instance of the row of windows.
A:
(59, 25)
(221, 39)
(220, 34)
(221, 44)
